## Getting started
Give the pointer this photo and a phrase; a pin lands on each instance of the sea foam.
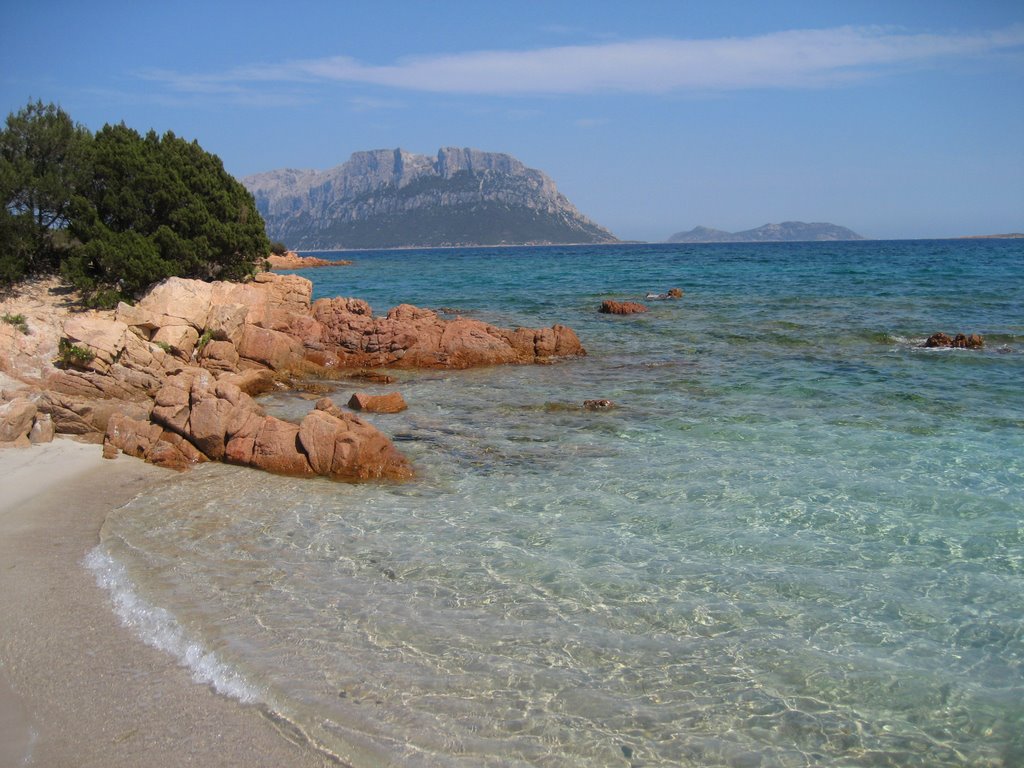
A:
(158, 627)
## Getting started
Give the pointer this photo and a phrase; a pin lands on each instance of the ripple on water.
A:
(797, 540)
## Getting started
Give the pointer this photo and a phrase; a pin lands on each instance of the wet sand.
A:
(77, 689)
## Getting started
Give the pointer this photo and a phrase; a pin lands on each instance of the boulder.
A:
(277, 449)
(393, 402)
(598, 405)
(175, 301)
(16, 419)
(344, 447)
(180, 338)
(253, 381)
(610, 307)
(219, 357)
(271, 348)
(149, 441)
(103, 337)
(43, 430)
(85, 416)
(225, 321)
(327, 405)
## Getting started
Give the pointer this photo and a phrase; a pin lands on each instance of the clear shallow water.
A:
(798, 541)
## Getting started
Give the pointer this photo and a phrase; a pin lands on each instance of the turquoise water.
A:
(797, 541)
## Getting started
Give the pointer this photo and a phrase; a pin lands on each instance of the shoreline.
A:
(76, 686)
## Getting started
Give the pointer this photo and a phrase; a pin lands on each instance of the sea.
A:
(797, 539)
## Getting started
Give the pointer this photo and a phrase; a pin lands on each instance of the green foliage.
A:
(278, 248)
(118, 211)
(205, 339)
(165, 346)
(18, 321)
(73, 355)
(43, 161)
(157, 207)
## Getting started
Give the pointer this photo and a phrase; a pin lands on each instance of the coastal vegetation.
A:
(116, 211)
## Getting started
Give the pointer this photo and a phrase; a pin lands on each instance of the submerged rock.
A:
(393, 402)
(960, 341)
(610, 307)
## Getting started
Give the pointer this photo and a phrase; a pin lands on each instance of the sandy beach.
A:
(76, 687)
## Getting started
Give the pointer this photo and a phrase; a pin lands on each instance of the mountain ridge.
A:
(784, 232)
(390, 198)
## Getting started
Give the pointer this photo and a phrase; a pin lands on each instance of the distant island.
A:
(390, 198)
(786, 232)
(1007, 236)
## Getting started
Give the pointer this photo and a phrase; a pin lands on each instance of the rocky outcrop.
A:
(960, 341)
(610, 307)
(292, 260)
(393, 402)
(196, 417)
(172, 378)
(347, 334)
(392, 198)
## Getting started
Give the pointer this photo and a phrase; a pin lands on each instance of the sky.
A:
(898, 119)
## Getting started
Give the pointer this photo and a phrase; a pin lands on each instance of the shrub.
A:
(18, 321)
(72, 355)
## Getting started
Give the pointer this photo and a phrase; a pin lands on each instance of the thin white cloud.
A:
(792, 59)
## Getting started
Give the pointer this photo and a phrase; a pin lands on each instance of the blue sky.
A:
(897, 119)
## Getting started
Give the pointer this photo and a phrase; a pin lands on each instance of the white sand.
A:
(77, 688)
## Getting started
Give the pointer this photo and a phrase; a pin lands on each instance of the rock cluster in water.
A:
(611, 307)
(172, 378)
(960, 341)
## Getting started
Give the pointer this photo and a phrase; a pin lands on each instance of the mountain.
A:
(390, 198)
(786, 232)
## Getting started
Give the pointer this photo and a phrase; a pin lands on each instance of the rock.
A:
(375, 376)
(274, 349)
(175, 301)
(344, 447)
(253, 381)
(292, 260)
(85, 416)
(132, 436)
(960, 341)
(180, 338)
(219, 357)
(393, 402)
(43, 430)
(411, 337)
(102, 337)
(16, 419)
(675, 293)
(148, 441)
(598, 405)
(277, 449)
(225, 322)
(329, 406)
(610, 307)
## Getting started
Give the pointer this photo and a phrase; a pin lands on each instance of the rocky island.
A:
(390, 198)
(786, 232)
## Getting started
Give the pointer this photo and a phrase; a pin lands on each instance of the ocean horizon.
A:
(796, 540)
